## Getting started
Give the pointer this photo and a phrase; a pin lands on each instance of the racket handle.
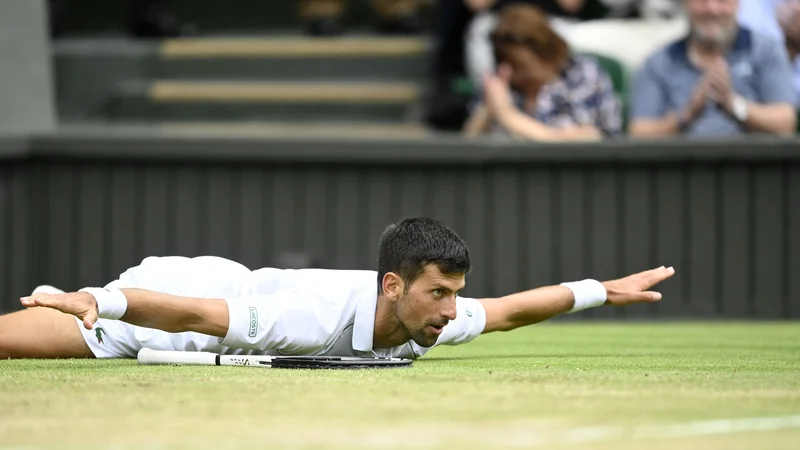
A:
(152, 357)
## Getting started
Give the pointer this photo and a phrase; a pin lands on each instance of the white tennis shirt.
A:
(284, 312)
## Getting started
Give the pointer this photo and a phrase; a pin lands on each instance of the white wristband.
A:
(587, 294)
(111, 303)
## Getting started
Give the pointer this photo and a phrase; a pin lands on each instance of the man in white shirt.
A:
(407, 307)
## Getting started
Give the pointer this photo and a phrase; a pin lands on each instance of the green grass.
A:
(527, 387)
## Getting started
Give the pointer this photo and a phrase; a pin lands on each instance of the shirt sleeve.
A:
(647, 99)
(289, 321)
(775, 77)
(609, 118)
(469, 324)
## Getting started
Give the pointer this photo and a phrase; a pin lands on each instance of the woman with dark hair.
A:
(542, 90)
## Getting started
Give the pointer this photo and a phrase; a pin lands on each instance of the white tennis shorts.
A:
(205, 277)
(117, 339)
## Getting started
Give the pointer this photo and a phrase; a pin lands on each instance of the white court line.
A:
(683, 430)
(518, 435)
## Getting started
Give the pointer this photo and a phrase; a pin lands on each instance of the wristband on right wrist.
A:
(587, 294)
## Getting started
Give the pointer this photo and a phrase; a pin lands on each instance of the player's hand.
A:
(80, 304)
(636, 288)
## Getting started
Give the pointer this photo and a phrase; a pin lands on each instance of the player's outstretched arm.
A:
(141, 307)
(537, 305)
(288, 321)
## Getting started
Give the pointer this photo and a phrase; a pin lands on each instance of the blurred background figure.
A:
(789, 20)
(542, 90)
(324, 17)
(645, 9)
(145, 19)
(463, 51)
(461, 35)
(722, 79)
(780, 20)
(761, 16)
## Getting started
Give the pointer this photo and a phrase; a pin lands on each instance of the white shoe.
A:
(47, 289)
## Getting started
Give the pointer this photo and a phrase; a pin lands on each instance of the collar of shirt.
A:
(741, 44)
(364, 322)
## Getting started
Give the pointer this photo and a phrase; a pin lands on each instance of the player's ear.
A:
(392, 285)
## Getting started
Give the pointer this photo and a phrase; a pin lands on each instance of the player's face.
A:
(430, 304)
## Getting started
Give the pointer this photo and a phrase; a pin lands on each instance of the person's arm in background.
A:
(649, 114)
(479, 121)
(775, 112)
(524, 126)
(500, 105)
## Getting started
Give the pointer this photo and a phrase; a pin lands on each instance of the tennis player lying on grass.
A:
(215, 305)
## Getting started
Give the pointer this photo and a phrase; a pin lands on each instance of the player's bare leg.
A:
(41, 333)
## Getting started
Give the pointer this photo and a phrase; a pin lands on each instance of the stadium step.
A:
(263, 100)
(322, 130)
(91, 76)
(390, 59)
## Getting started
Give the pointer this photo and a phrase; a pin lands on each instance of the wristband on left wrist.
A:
(111, 303)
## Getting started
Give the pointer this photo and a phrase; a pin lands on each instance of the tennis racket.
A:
(167, 357)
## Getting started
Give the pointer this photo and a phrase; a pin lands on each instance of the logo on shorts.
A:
(99, 333)
(253, 322)
(469, 312)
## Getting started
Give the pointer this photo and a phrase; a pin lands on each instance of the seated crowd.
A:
(731, 73)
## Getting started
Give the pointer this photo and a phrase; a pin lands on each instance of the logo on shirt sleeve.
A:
(253, 322)
(469, 312)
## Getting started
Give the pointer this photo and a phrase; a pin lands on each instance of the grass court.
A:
(554, 385)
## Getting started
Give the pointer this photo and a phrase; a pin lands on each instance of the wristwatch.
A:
(739, 108)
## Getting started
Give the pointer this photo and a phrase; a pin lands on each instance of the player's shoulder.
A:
(330, 283)
(345, 276)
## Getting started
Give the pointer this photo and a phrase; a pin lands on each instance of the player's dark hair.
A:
(407, 247)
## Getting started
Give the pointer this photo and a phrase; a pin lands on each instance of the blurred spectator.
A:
(446, 105)
(778, 19)
(146, 19)
(761, 16)
(479, 53)
(722, 79)
(542, 90)
(789, 20)
(658, 9)
(324, 17)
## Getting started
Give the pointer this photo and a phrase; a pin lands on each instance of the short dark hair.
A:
(407, 247)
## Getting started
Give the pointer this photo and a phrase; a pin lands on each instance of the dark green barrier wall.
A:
(79, 210)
